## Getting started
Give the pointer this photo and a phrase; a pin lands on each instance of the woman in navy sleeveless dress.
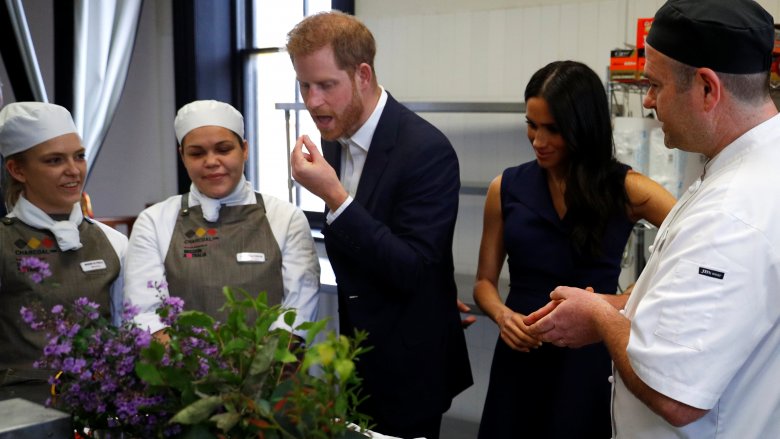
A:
(563, 219)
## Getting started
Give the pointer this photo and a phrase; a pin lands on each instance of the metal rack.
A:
(626, 89)
(417, 107)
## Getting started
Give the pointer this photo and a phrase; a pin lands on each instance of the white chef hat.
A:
(27, 124)
(207, 113)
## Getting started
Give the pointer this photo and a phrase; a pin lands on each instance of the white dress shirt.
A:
(358, 146)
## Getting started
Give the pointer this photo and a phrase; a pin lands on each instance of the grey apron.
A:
(238, 250)
(86, 272)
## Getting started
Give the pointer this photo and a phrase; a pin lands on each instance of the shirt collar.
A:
(754, 138)
(362, 138)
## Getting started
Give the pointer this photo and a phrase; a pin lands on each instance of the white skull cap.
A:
(24, 125)
(207, 113)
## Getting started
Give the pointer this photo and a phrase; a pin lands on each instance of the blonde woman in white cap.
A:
(221, 233)
(49, 253)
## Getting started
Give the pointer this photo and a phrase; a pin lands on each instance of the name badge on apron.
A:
(250, 258)
(97, 264)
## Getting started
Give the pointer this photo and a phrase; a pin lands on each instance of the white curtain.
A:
(105, 32)
(24, 41)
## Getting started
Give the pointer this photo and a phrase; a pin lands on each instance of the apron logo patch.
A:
(34, 246)
(198, 240)
(190, 253)
(711, 273)
(200, 232)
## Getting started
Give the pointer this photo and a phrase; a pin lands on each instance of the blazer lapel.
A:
(379, 153)
(331, 150)
(332, 153)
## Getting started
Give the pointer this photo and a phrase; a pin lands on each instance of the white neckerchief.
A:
(66, 232)
(242, 194)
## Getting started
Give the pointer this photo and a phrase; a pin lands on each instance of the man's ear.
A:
(364, 74)
(712, 88)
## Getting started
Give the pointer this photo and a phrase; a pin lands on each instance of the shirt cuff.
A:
(149, 321)
(331, 216)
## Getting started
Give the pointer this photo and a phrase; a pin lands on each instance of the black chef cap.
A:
(727, 36)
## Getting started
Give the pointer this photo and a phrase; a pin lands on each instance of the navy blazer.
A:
(391, 251)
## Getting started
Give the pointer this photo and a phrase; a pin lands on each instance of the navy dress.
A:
(550, 392)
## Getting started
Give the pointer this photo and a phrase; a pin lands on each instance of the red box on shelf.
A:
(642, 28)
(623, 64)
(629, 64)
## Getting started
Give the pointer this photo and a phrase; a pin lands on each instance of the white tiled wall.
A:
(482, 51)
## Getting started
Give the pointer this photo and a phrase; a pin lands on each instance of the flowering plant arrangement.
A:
(237, 378)
(96, 380)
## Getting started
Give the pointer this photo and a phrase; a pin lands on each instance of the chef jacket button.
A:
(611, 379)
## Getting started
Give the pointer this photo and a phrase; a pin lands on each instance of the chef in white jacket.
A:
(221, 233)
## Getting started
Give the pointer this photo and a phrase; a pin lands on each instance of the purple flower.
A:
(38, 270)
(174, 302)
(203, 367)
(129, 311)
(56, 309)
(159, 286)
(143, 339)
(27, 315)
(73, 365)
(171, 308)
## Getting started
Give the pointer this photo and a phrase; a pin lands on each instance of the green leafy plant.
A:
(234, 379)
(240, 378)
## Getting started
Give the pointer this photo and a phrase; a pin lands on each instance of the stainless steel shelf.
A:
(417, 107)
(438, 107)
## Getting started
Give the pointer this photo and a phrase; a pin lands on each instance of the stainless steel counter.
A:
(22, 419)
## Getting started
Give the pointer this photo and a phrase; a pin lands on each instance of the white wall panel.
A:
(588, 35)
(569, 30)
(533, 38)
(515, 56)
(611, 23)
(498, 81)
(456, 42)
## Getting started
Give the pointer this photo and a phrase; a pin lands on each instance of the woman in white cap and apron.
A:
(74, 257)
(221, 233)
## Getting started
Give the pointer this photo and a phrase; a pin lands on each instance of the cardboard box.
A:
(623, 64)
(642, 28)
(629, 64)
